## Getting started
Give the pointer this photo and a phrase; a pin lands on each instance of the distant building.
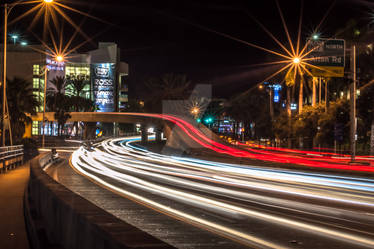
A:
(105, 73)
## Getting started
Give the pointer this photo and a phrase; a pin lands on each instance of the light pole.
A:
(353, 118)
(44, 102)
(58, 59)
(5, 114)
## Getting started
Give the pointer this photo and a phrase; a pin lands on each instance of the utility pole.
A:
(353, 104)
(271, 108)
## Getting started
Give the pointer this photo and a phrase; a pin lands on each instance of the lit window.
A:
(36, 69)
(35, 83)
(35, 128)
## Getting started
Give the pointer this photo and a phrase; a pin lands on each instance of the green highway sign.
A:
(327, 57)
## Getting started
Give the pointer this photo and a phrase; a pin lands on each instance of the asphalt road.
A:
(251, 206)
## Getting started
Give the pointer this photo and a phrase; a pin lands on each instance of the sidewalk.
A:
(12, 224)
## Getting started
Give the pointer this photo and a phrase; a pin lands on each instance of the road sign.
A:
(327, 57)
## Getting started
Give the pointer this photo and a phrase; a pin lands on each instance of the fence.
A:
(10, 157)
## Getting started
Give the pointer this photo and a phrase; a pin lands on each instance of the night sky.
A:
(158, 37)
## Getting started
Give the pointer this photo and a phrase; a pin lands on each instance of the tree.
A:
(252, 110)
(306, 123)
(78, 102)
(365, 102)
(166, 87)
(61, 116)
(78, 84)
(58, 101)
(337, 113)
(21, 102)
(134, 106)
(55, 92)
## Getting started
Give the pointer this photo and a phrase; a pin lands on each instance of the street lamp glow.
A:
(48, 1)
(59, 58)
(14, 37)
(195, 110)
(296, 60)
(315, 37)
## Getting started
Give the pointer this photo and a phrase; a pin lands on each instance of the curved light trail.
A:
(311, 160)
(230, 190)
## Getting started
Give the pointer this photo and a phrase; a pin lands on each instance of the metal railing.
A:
(10, 157)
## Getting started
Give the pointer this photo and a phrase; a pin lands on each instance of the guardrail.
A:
(10, 157)
(56, 217)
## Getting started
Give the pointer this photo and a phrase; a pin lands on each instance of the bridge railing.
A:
(10, 157)
(56, 217)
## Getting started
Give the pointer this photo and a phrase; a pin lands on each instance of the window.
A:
(36, 69)
(35, 83)
(74, 71)
(35, 128)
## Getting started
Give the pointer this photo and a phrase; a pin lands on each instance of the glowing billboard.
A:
(103, 82)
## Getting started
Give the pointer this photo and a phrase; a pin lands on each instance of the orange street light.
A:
(195, 110)
(296, 60)
(48, 1)
(59, 58)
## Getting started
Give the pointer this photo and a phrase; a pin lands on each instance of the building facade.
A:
(105, 74)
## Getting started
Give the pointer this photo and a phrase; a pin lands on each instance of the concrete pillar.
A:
(89, 130)
(144, 135)
(158, 132)
(167, 131)
(116, 129)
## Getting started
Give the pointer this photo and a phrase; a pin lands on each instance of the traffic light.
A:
(208, 120)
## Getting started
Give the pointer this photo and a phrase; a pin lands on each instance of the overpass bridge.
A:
(177, 130)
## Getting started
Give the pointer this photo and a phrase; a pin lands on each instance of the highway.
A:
(256, 207)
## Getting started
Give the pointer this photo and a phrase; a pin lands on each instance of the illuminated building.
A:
(105, 74)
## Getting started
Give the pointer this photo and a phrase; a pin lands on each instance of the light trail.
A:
(154, 173)
(198, 137)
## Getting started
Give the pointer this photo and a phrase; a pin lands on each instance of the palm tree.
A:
(78, 84)
(21, 101)
(78, 102)
(57, 101)
(56, 90)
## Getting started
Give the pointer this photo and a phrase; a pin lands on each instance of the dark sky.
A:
(170, 36)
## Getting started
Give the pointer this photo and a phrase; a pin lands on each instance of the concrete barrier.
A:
(60, 218)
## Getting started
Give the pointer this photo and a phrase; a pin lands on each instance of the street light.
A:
(195, 110)
(59, 58)
(7, 10)
(14, 37)
(296, 60)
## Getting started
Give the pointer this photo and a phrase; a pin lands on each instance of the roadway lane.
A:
(170, 230)
(261, 208)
